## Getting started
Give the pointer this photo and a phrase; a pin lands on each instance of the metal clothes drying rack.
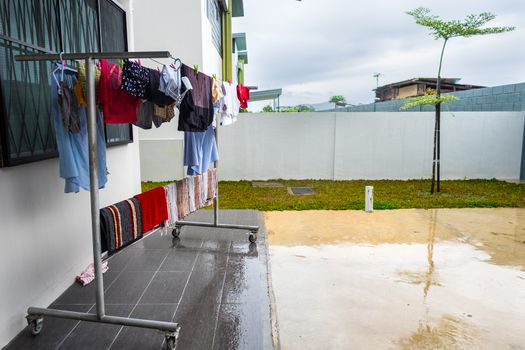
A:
(35, 315)
(252, 230)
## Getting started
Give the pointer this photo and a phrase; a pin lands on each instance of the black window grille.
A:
(47, 26)
(214, 12)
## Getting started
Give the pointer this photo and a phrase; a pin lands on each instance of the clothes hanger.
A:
(175, 61)
(62, 66)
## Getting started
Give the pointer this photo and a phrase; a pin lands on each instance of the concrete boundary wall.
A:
(376, 145)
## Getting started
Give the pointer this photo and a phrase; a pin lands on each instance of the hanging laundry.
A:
(167, 113)
(182, 197)
(243, 93)
(69, 108)
(73, 150)
(135, 78)
(118, 106)
(171, 198)
(200, 149)
(153, 92)
(204, 190)
(146, 116)
(154, 208)
(170, 82)
(216, 91)
(229, 110)
(121, 224)
(81, 87)
(191, 194)
(196, 108)
(212, 183)
(197, 191)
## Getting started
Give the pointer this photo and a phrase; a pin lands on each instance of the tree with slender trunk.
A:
(445, 30)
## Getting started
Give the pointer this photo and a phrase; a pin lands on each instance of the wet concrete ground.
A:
(399, 279)
(211, 281)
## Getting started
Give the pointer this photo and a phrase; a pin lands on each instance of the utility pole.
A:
(377, 75)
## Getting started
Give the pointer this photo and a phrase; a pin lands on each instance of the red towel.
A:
(154, 208)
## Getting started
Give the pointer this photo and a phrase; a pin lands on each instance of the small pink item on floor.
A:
(88, 275)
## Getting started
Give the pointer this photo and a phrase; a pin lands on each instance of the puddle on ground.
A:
(403, 279)
(449, 333)
(500, 232)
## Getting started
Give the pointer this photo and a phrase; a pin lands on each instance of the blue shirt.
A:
(73, 147)
(200, 149)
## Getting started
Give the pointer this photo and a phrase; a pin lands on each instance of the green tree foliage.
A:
(429, 98)
(298, 108)
(445, 30)
(337, 98)
(267, 109)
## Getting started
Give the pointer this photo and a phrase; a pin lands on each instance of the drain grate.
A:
(301, 191)
(267, 184)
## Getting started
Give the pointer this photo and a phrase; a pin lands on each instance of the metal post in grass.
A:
(369, 199)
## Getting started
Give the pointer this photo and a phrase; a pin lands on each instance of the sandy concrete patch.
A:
(401, 279)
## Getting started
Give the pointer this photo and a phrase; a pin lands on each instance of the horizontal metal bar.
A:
(123, 321)
(27, 45)
(94, 55)
(208, 224)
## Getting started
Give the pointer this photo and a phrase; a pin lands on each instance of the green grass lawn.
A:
(388, 194)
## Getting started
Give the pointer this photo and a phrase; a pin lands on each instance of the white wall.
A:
(386, 145)
(181, 27)
(46, 234)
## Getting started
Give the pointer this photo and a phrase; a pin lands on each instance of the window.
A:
(214, 12)
(47, 26)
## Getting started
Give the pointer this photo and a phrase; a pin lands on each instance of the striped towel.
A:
(120, 224)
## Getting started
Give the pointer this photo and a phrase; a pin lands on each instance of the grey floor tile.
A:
(204, 287)
(119, 260)
(188, 242)
(77, 294)
(207, 261)
(165, 288)
(147, 260)
(161, 239)
(128, 287)
(197, 323)
(179, 260)
(217, 240)
(53, 332)
(245, 280)
(240, 327)
(95, 336)
(145, 339)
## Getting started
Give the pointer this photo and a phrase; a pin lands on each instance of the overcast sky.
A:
(314, 49)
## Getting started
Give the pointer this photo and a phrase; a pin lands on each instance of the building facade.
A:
(46, 233)
(201, 36)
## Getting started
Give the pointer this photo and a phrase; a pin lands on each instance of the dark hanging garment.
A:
(135, 78)
(153, 94)
(196, 109)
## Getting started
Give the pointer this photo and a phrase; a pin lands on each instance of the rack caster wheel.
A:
(252, 237)
(171, 342)
(176, 232)
(35, 325)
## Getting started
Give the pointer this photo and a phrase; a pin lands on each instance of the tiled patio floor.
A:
(211, 281)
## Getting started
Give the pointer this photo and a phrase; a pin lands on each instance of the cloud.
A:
(313, 49)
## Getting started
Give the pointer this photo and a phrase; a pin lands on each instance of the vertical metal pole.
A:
(216, 164)
(93, 187)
